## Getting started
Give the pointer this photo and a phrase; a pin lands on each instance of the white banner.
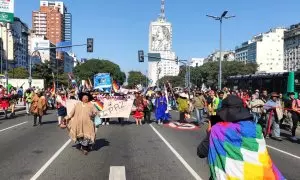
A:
(116, 108)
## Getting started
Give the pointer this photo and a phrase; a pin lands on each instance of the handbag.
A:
(97, 121)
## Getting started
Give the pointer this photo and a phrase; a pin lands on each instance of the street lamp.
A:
(220, 19)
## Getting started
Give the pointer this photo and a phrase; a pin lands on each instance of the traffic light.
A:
(141, 55)
(90, 45)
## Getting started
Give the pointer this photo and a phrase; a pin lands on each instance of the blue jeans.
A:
(199, 115)
(256, 117)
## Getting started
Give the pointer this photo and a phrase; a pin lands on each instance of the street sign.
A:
(154, 57)
(7, 11)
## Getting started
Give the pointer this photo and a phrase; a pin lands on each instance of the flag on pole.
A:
(53, 86)
(116, 86)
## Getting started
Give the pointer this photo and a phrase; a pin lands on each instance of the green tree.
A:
(135, 78)
(175, 81)
(208, 73)
(95, 66)
(18, 73)
(47, 70)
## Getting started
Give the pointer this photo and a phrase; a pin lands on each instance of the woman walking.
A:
(81, 125)
(61, 101)
(38, 107)
(139, 104)
(160, 108)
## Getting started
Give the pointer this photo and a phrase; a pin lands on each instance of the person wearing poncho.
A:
(235, 145)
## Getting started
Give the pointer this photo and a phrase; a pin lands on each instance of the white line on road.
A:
(44, 167)
(186, 165)
(117, 173)
(284, 152)
(13, 126)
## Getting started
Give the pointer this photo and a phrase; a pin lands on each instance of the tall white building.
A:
(266, 50)
(160, 41)
(39, 42)
(292, 48)
(215, 56)
(196, 62)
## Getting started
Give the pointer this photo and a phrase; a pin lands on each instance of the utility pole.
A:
(220, 19)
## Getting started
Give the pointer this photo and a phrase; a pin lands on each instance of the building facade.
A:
(197, 62)
(68, 62)
(42, 55)
(266, 50)
(215, 56)
(20, 34)
(160, 41)
(68, 27)
(14, 44)
(292, 48)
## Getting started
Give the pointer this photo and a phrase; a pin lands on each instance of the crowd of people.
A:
(232, 116)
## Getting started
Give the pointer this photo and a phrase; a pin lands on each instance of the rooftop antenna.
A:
(162, 15)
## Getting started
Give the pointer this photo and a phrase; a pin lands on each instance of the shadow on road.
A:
(100, 143)
(50, 122)
(288, 137)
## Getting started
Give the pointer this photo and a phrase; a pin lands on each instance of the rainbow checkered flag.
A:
(116, 86)
(238, 151)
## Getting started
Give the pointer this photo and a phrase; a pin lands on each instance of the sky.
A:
(120, 27)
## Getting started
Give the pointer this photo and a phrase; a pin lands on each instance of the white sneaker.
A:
(107, 123)
(103, 123)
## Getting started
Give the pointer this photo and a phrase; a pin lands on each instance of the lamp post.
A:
(220, 19)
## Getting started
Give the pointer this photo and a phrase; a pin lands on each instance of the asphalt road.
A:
(137, 152)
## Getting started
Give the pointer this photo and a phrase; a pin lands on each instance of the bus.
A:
(272, 82)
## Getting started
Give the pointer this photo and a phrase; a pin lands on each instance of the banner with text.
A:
(7, 11)
(116, 108)
(102, 81)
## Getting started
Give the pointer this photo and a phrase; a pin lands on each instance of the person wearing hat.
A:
(233, 124)
(274, 115)
(81, 125)
(183, 106)
(199, 103)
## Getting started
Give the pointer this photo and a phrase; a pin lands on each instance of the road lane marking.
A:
(47, 164)
(13, 126)
(117, 173)
(284, 152)
(179, 157)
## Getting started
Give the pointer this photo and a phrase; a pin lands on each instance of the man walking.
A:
(274, 115)
(199, 103)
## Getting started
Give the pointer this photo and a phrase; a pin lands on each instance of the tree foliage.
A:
(208, 73)
(18, 73)
(45, 70)
(135, 78)
(95, 66)
(176, 81)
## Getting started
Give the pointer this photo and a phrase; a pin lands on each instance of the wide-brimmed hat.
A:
(183, 95)
(233, 110)
(274, 94)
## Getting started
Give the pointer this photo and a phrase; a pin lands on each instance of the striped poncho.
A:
(238, 151)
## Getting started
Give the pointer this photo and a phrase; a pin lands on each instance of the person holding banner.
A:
(81, 124)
